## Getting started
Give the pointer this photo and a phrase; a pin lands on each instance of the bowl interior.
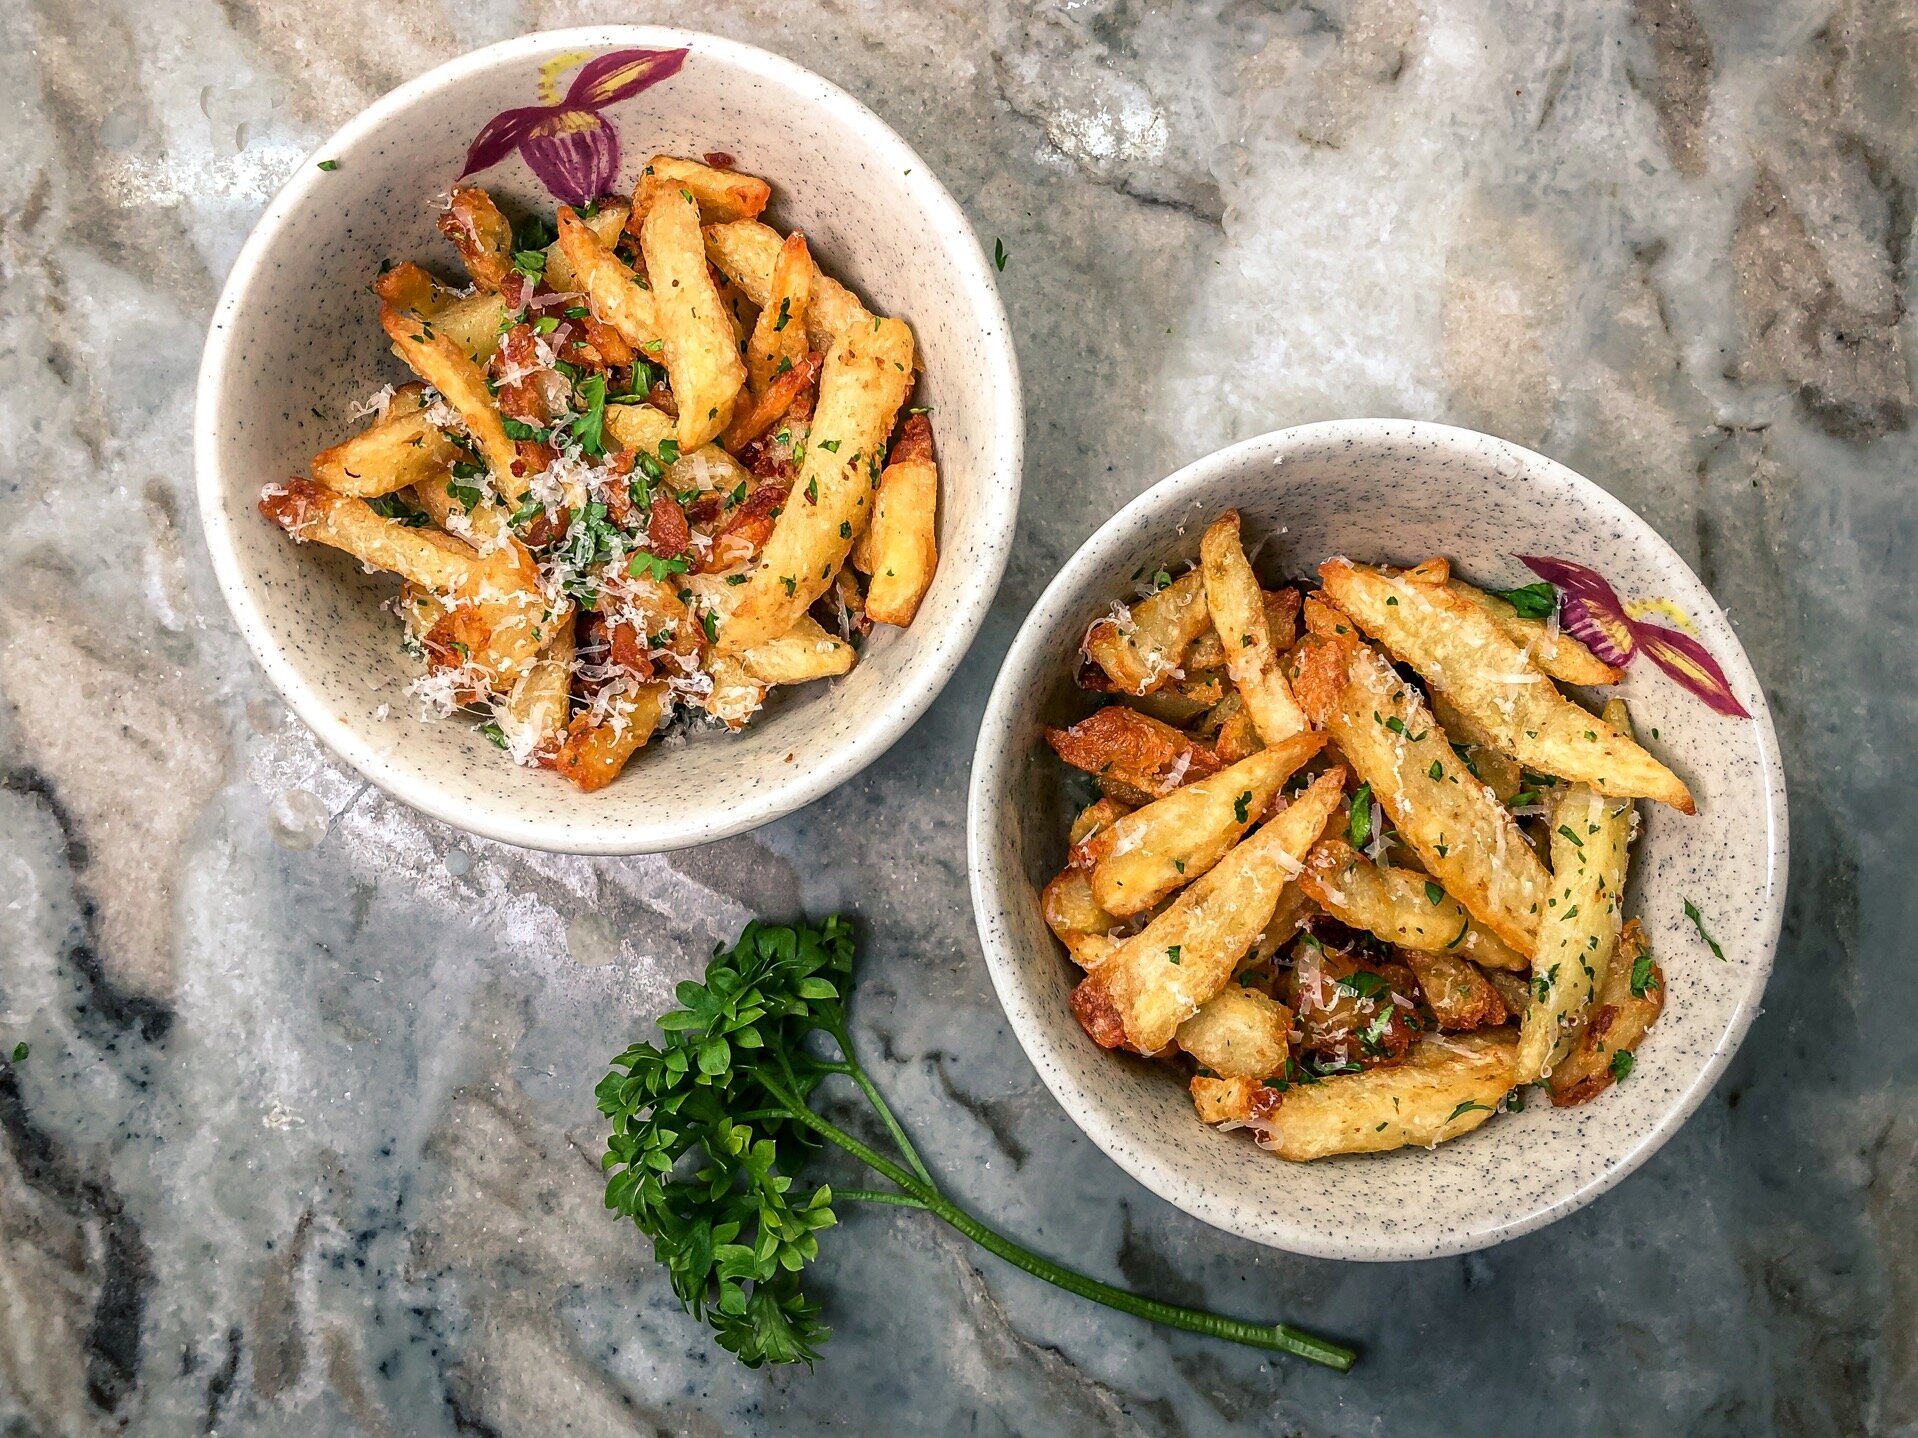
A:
(1393, 492)
(296, 344)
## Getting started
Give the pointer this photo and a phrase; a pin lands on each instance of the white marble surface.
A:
(305, 1142)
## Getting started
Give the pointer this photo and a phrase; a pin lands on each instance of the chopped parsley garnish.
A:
(999, 255)
(520, 429)
(785, 317)
(1466, 1107)
(1565, 831)
(468, 495)
(1698, 922)
(710, 622)
(1641, 976)
(391, 506)
(1622, 1062)
(589, 425)
(651, 566)
(1358, 828)
(1434, 895)
(1242, 806)
(831, 446)
(1534, 601)
(20, 1052)
(1363, 984)
(1172, 954)
(1437, 771)
(494, 733)
(329, 164)
(531, 263)
(791, 582)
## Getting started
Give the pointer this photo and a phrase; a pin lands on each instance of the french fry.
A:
(701, 353)
(1465, 655)
(535, 712)
(1562, 655)
(1579, 931)
(617, 295)
(1174, 840)
(1238, 1033)
(771, 405)
(1514, 988)
(1157, 979)
(1399, 906)
(1462, 835)
(803, 653)
(1139, 752)
(722, 195)
(481, 234)
(1457, 991)
(401, 449)
(904, 546)
(1141, 650)
(866, 377)
(485, 525)
(1090, 838)
(746, 252)
(1449, 1086)
(1500, 773)
(1076, 918)
(778, 344)
(436, 358)
(607, 222)
(706, 469)
(311, 512)
(592, 754)
(1629, 1002)
(1237, 607)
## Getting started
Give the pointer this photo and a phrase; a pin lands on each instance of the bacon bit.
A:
(720, 160)
(661, 399)
(706, 509)
(611, 344)
(454, 638)
(296, 504)
(667, 533)
(517, 290)
(480, 233)
(617, 494)
(746, 530)
(914, 444)
(546, 528)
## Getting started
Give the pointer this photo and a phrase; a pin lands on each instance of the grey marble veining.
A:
(305, 1142)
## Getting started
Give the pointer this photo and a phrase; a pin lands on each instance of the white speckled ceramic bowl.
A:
(295, 343)
(1388, 490)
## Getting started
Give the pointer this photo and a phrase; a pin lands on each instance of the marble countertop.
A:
(305, 1141)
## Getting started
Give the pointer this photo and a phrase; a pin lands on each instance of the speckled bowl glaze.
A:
(1394, 491)
(295, 343)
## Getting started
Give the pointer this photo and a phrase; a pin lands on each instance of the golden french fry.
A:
(1136, 751)
(770, 405)
(1461, 833)
(1171, 842)
(1457, 990)
(1465, 655)
(1142, 648)
(616, 294)
(723, 195)
(592, 754)
(1237, 606)
(310, 512)
(482, 526)
(707, 468)
(1238, 1033)
(481, 234)
(903, 544)
(1560, 655)
(1501, 773)
(803, 653)
(1090, 837)
(1076, 918)
(1399, 906)
(864, 382)
(1157, 979)
(443, 364)
(1629, 1002)
(746, 252)
(701, 354)
(607, 222)
(1579, 931)
(736, 695)
(1450, 1084)
(537, 708)
(778, 342)
(401, 449)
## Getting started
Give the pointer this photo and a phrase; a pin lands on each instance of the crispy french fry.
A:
(535, 712)
(443, 364)
(1579, 931)
(1399, 906)
(803, 653)
(592, 754)
(1457, 991)
(706, 469)
(1157, 979)
(1629, 1002)
(722, 195)
(1461, 833)
(481, 234)
(1142, 649)
(401, 449)
(1501, 773)
(1560, 655)
(1090, 839)
(746, 252)
(1237, 606)
(778, 344)
(607, 222)
(904, 546)
(310, 512)
(701, 353)
(1449, 1085)
(1139, 752)
(1465, 655)
(1238, 1033)
(1171, 842)
(484, 525)
(617, 295)
(1076, 918)
(867, 374)
(770, 405)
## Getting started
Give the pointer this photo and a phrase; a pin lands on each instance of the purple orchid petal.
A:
(499, 137)
(1691, 664)
(620, 74)
(575, 153)
(1589, 608)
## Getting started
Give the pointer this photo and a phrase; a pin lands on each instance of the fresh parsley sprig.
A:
(711, 1128)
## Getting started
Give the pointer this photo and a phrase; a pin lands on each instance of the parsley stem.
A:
(874, 1195)
(857, 1074)
(1278, 1337)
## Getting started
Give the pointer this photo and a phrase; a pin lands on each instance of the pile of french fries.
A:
(1357, 864)
(653, 464)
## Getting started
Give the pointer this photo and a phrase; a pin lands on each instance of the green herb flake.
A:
(1434, 895)
(329, 165)
(1698, 922)
(1534, 601)
(999, 255)
(1622, 1062)
(1172, 954)
(1242, 807)
(494, 734)
(1565, 832)
(1358, 828)
(1641, 976)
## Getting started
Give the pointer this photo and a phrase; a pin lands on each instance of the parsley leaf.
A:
(1358, 828)
(1698, 922)
(1534, 601)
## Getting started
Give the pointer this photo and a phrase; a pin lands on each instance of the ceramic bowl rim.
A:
(929, 668)
(994, 764)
